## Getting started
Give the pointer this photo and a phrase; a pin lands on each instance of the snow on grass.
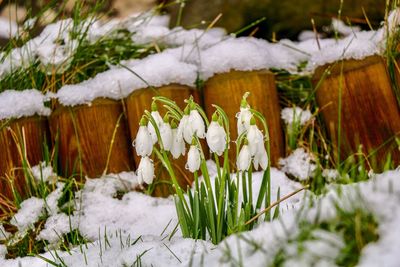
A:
(380, 196)
(134, 228)
(117, 83)
(52, 199)
(100, 213)
(29, 213)
(299, 164)
(295, 115)
(17, 104)
(43, 172)
(340, 27)
(56, 226)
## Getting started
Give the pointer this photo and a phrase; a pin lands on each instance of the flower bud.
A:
(243, 117)
(193, 161)
(166, 136)
(197, 123)
(185, 129)
(178, 145)
(143, 142)
(244, 159)
(255, 138)
(145, 171)
(216, 138)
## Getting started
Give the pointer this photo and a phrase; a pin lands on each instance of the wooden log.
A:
(140, 100)
(21, 140)
(227, 89)
(370, 115)
(92, 140)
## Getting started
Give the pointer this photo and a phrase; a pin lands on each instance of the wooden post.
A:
(21, 140)
(369, 114)
(140, 100)
(93, 140)
(226, 90)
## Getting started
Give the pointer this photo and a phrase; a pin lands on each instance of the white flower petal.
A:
(243, 117)
(159, 121)
(255, 138)
(143, 142)
(145, 171)
(244, 159)
(216, 138)
(166, 135)
(197, 123)
(193, 162)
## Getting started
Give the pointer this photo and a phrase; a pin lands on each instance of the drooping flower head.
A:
(143, 143)
(178, 144)
(158, 119)
(145, 171)
(254, 137)
(193, 161)
(216, 136)
(244, 159)
(166, 134)
(243, 117)
(185, 129)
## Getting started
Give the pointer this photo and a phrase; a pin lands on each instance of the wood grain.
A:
(31, 135)
(136, 104)
(85, 133)
(370, 114)
(227, 89)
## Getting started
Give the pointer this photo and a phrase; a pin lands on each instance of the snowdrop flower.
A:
(197, 123)
(145, 171)
(216, 137)
(178, 144)
(254, 137)
(185, 129)
(244, 158)
(158, 119)
(166, 134)
(193, 162)
(261, 158)
(143, 142)
(243, 118)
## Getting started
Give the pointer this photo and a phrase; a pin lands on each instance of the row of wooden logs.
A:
(96, 139)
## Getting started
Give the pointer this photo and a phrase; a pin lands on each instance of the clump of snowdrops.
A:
(215, 208)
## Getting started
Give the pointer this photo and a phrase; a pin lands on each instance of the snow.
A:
(117, 83)
(56, 226)
(340, 27)
(295, 115)
(8, 28)
(47, 47)
(131, 229)
(299, 164)
(374, 195)
(17, 104)
(52, 199)
(358, 45)
(44, 172)
(245, 54)
(330, 175)
(29, 213)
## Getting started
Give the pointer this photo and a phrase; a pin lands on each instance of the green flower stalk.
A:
(215, 208)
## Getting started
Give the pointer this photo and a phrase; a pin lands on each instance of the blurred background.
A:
(283, 18)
